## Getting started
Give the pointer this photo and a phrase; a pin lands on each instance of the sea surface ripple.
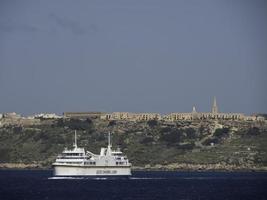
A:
(40, 184)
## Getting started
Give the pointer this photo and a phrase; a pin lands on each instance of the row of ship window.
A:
(63, 157)
(120, 163)
(90, 163)
(72, 154)
(71, 162)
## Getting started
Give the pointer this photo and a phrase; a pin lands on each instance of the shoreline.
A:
(172, 167)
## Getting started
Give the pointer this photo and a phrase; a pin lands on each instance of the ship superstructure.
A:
(78, 162)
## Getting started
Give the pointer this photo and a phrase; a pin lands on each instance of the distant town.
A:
(14, 118)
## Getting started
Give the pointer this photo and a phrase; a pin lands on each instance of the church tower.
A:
(214, 109)
(194, 114)
(194, 109)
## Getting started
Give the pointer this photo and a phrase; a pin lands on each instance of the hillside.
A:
(220, 145)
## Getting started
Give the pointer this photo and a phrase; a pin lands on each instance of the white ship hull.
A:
(82, 170)
(78, 162)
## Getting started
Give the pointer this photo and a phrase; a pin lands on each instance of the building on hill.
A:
(47, 116)
(16, 119)
(11, 115)
(131, 116)
(82, 115)
(214, 114)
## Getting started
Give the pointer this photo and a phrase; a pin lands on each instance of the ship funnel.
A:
(102, 151)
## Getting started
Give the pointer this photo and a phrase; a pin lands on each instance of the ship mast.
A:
(75, 140)
(109, 146)
(109, 143)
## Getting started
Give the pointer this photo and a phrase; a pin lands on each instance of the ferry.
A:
(78, 162)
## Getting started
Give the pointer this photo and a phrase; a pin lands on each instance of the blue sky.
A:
(136, 56)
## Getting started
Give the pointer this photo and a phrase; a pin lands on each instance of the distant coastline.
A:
(172, 167)
(181, 144)
(37, 119)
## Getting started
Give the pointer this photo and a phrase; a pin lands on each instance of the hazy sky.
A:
(137, 56)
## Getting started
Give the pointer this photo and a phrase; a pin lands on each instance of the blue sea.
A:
(39, 184)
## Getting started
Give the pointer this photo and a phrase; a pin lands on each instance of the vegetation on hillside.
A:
(145, 143)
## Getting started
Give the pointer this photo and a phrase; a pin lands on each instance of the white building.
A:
(12, 115)
(47, 116)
